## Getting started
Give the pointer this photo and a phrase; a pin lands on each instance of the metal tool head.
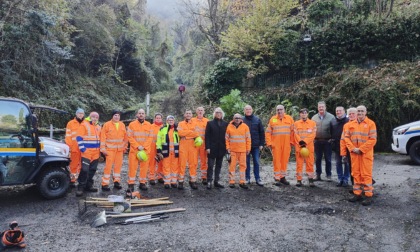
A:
(99, 220)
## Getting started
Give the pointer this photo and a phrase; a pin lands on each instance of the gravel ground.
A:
(268, 218)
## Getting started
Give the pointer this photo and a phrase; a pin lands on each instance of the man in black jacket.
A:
(215, 146)
(257, 143)
(336, 131)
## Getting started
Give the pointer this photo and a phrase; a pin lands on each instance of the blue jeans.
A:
(323, 147)
(255, 152)
(343, 175)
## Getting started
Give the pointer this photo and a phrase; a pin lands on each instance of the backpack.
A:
(13, 237)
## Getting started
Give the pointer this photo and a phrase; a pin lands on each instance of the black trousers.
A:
(210, 164)
(87, 172)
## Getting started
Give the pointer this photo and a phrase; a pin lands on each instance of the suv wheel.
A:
(415, 152)
(53, 183)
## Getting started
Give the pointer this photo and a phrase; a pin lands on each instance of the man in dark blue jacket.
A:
(336, 131)
(257, 143)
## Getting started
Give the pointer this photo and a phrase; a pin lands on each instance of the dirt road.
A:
(268, 218)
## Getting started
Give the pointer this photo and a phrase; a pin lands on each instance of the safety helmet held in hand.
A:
(304, 152)
(198, 141)
(142, 156)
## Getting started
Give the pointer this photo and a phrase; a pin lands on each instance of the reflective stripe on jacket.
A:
(361, 135)
(200, 126)
(71, 133)
(88, 136)
(139, 134)
(113, 138)
(280, 131)
(164, 144)
(238, 138)
(305, 131)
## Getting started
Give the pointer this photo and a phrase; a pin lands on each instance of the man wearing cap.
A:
(200, 126)
(75, 155)
(304, 132)
(279, 138)
(140, 135)
(88, 139)
(155, 166)
(187, 150)
(113, 144)
(238, 145)
(167, 145)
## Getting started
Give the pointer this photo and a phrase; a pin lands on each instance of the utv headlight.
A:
(401, 131)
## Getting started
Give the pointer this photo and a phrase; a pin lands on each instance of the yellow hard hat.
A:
(142, 156)
(198, 141)
(304, 152)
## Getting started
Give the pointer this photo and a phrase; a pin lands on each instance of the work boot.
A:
(284, 181)
(167, 186)
(243, 185)
(340, 184)
(174, 185)
(311, 183)
(299, 183)
(367, 201)
(180, 185)
(318, 177)
(248, 181)
(218, 185)
(143, 187)
(131, 187)
(79, 192)
(232, 185)
(329, 179)
(259, 182)
(356, 198)
(193, 185)
(117, 185)
(152, 182)
(209, 186)
(106, 188)
(91, 189)
(204, 181)
(161, 181)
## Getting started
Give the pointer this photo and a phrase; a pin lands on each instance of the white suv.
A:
(406, 140)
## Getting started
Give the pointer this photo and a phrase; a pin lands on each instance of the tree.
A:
(253, 37)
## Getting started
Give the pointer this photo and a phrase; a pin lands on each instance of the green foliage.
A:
(226, 74)
(232, 104)
(322, 10)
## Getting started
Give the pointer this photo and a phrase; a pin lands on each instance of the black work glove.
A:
(302, 143)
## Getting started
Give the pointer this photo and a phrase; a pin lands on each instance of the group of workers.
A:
(162, 151)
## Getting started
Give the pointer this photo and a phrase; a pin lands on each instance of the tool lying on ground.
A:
(100, 219)
(121, 205)
(146, 218)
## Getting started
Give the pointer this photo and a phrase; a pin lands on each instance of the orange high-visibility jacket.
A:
(343, 147)
(88, 137)
(155, 129)
(238, 139)
(140, 134)
(187, 130)
(113, 138)
(361, 135)
(305, 131)
(200, 126)
(280, 131)
(71, 133)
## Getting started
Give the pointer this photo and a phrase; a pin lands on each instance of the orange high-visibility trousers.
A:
(75, 165)
(133, 165)
(187, 153)
(361, 170)
(235, 158)
(202, 155)
(91, 154)
(281, 154)
(155, 168)
(114, 158)
(170, 169)
(309, 163)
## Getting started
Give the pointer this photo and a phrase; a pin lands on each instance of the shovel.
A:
(126, 222)
(100, 219)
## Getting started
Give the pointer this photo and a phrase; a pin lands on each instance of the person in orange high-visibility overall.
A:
(238, 145)
(140, 135)
(187, 151)
(344, 152)
(167, 145)
(88, 140)
(360, 136)
(75, 155)
(304, 132)
(113, 145)
(279, 136)
(155, 166)
(200, 126)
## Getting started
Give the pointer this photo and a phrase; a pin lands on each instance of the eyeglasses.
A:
(280, 109)
(361, 111)
(237, 118)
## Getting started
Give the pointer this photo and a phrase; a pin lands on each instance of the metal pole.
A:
(51, 130)
(147, 103)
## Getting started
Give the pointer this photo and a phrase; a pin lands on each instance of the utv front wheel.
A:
(53, 183)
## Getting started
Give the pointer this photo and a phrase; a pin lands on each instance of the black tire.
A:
(415, 152)
(53, 183)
